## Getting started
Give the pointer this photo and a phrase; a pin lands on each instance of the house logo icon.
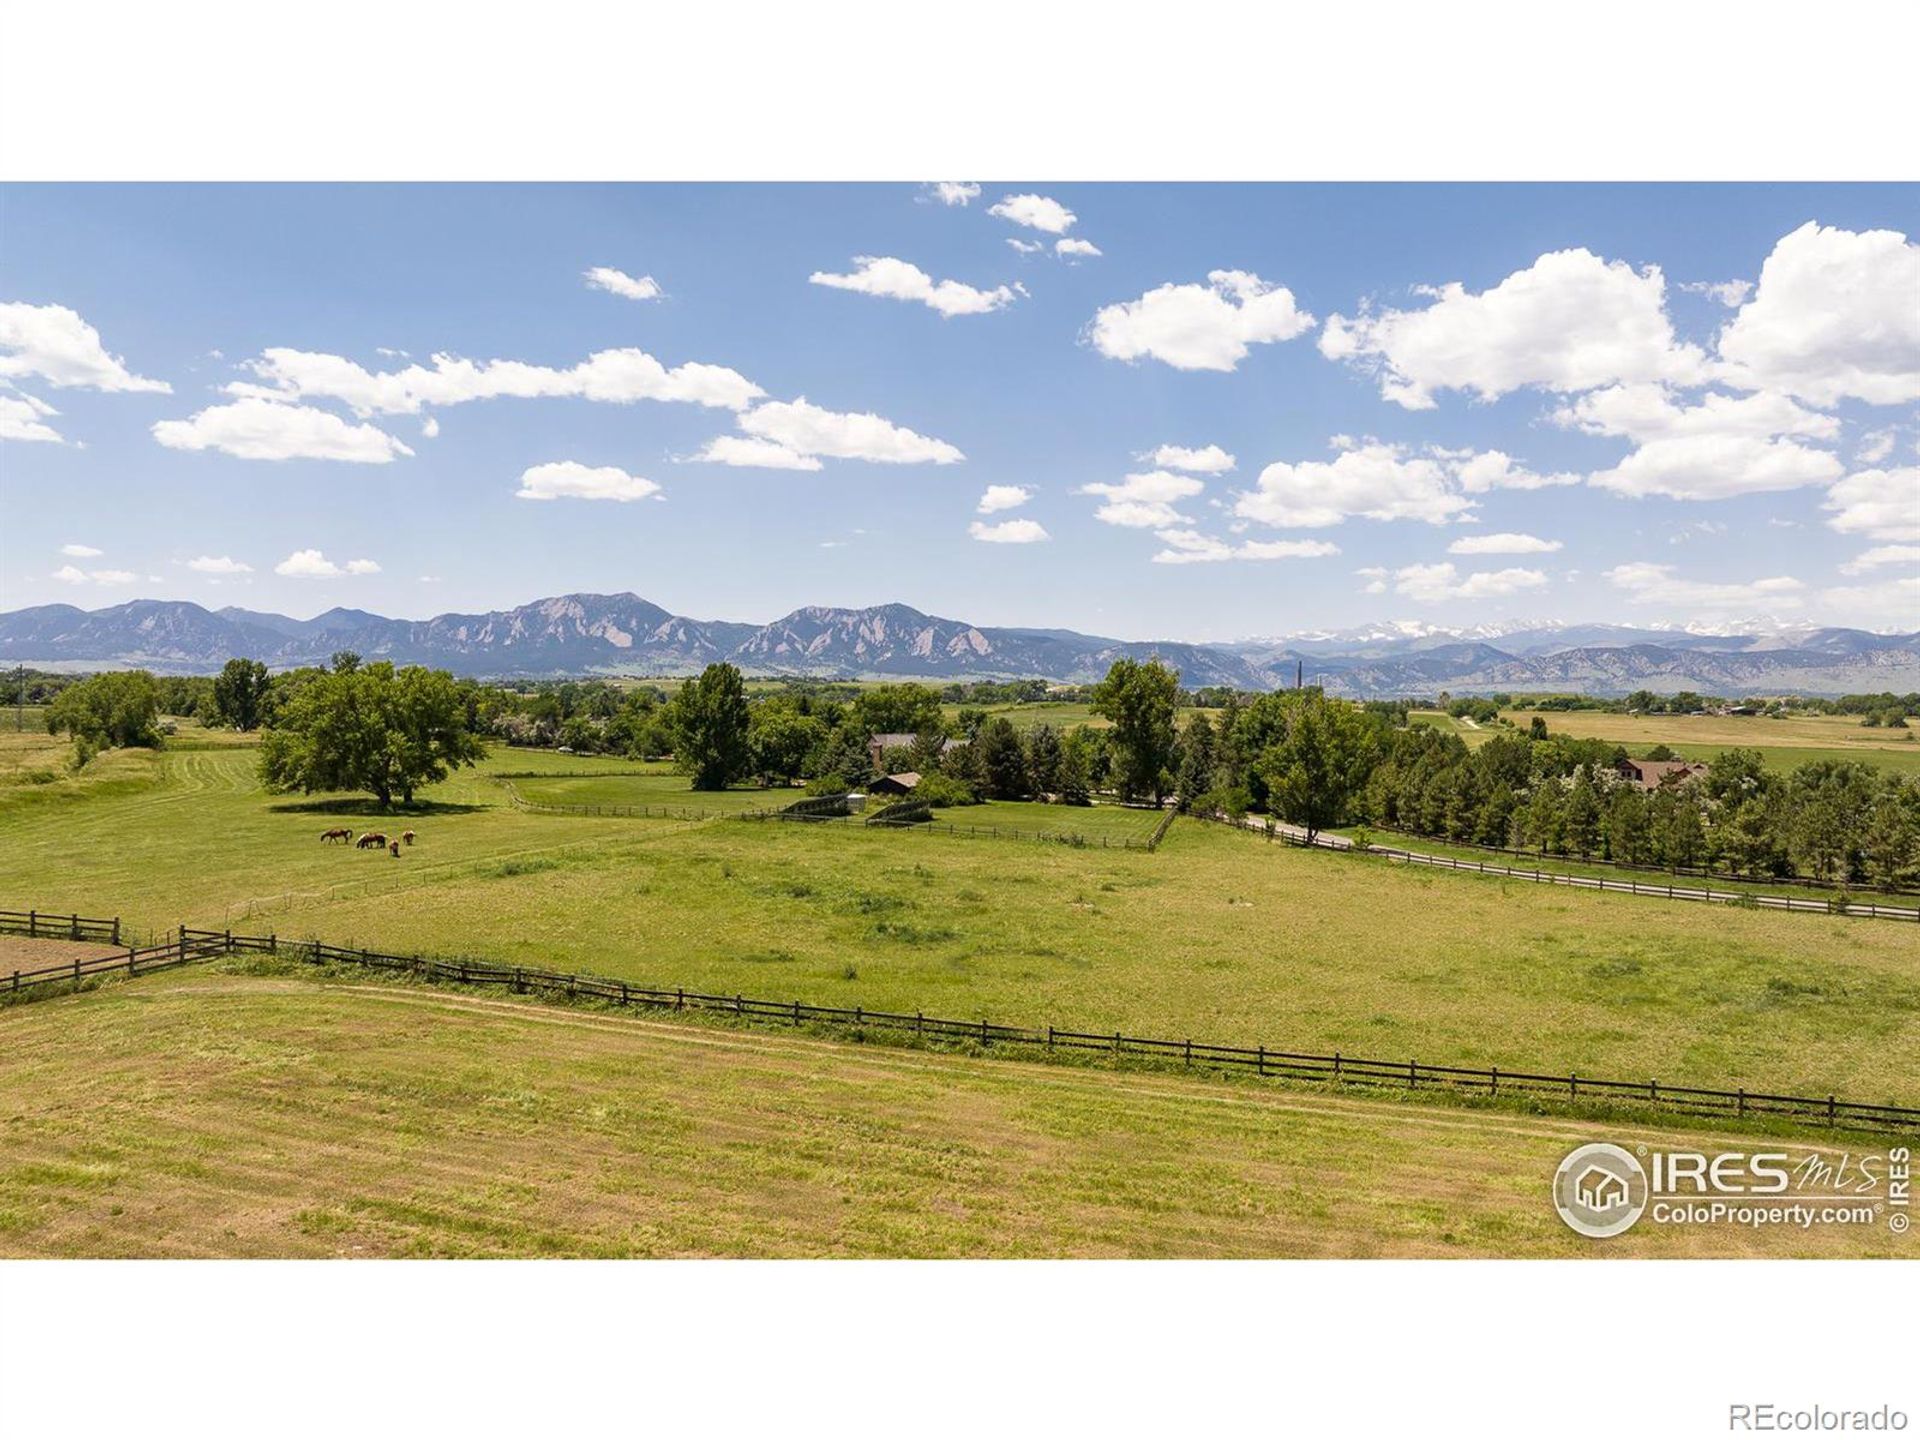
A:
(1600, 1190)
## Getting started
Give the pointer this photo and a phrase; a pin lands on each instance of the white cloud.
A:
(739, 450)
(897, 280)
(1874, 446)
(312, 565)
(56, 345)
(1009, 532)
(955, 192)
(1728, 292)
(1431, 584)
(269, 430)
(1373, 480)
(1881, 504)
(1569, 322)
(570, 480)
(616, 377)
(618, 282)
(809, 430)
(1835, 317)
(81, 552)
(218, 565)
(430, 428)
(1649, 584)
(1025, 247)
(1715, 467)
(1496, 470)
(1199, 327)
(74, 575)
(1206, 460)
(1073, 245)
(1036, 212)
(1890, 604)
(1144, 501)
(23, 417)
(1504, 543)
(1003, 497)
(1191, 547)
(1721, 447)
(1881, 555)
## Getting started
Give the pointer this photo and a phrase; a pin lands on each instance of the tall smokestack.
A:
(1299, 673)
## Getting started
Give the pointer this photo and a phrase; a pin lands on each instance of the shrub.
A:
(944, 790)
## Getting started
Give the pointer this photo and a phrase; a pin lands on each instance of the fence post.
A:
(1260, 1064)
(33, 924)
(796, 1012)
(1493, 1084)
(1831, 1107)
(1573, 1086)
(1741, 1108)
(1049, 1037)
(116, 929)
(1189, 1053)
(1413, 1075)
(985, 1038)
(131, 962)
(680, 999)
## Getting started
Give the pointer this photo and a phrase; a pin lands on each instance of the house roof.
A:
(894, 740)
(1653, 773)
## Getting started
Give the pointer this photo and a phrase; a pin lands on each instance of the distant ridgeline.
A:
(602, 634)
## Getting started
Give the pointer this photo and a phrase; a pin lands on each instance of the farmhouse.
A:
(1652, 774)
(878, 745)
(902, 784)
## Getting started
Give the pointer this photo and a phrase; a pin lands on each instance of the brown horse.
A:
(393, 848)
(343, 835)
(372, 840)
(407, 835)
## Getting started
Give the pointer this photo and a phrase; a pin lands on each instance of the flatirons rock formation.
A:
(624, 634)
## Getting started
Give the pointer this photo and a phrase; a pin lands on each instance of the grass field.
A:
(1090, 822)
(591, 783)
(1783, 744)
(1219, 935)
(209, 1114)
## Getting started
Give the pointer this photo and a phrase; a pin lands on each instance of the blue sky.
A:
(1513, 416)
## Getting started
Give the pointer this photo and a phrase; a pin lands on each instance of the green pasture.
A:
(1219, 935)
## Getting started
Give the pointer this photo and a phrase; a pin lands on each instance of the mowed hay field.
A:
(1783, 744)
(1219, 936)
(202, 1113)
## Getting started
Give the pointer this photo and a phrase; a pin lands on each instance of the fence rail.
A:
(189, 945)
(1707, 895)
(967, 831)
(40, 925)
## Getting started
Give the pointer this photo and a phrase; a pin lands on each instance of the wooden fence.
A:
(1258, 1060)
(1689, 871)
(963, 830)
(183, 949)
(39, 925)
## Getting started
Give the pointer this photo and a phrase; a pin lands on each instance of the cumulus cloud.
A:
(1025, 247)
(617, 377)
(618, 282)
(74, 575)
(1199, 327)
(809, 430)
(1647, 584)
(1373, 480)
(269, 430)
(1431, 584)
(1073, 246)
(1504, 543)
(570, 480)
(1834, 317)
(1569, 322)
(1009, 532)
(1191, 547)
(218, 565)
(955, 192)
(52, 343)
(747, 453)
(1881, 555)
(1728, 292)
(1720, 447)
(1890, 604)
(81, 552)
(1036, 212)
(312, 565)
(1003, 497)
(897, 280)
(1206, 460)
(23, 417)
(1874, 446)
(1880, 504)
(1496, 470)
(1144, 501)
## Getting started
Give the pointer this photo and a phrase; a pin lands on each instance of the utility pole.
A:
(20, 706)
(1299, 673)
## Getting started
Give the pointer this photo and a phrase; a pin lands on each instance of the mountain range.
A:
(584, 635)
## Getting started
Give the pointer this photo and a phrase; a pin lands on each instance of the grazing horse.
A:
(372, 840)
(343, 835)
(407, 835)
(393, 848)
